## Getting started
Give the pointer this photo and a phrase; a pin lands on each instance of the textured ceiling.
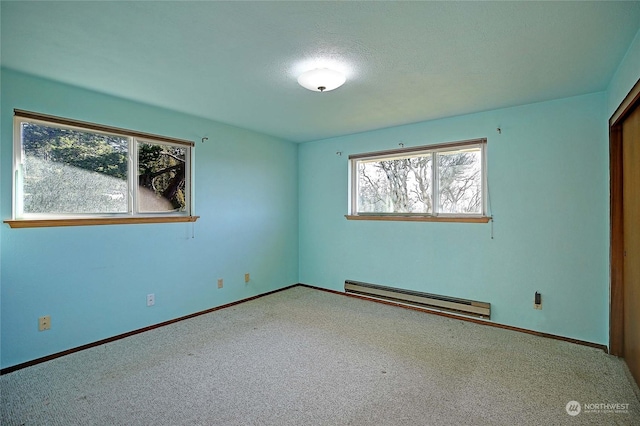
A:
(237, 62)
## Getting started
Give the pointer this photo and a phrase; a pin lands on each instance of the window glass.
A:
(406, 182)
(66, 168)
(161, 177)
(460, 181)
(69, 171)
(395, 185)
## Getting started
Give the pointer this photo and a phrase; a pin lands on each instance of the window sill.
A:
(47, 223)
(476, 219)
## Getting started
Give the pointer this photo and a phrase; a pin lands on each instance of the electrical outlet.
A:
(246, 277)
(151, 299)
(44, 323)
(220, 283)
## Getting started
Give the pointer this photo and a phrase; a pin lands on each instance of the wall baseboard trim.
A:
(465, 318)
(20, 366)
(16, 367)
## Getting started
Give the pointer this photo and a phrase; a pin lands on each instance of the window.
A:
(71, 169)
(439, 181)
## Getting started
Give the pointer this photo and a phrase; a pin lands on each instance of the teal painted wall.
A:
(93, 281)
(548, 178)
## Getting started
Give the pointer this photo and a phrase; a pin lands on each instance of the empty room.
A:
(319, 213)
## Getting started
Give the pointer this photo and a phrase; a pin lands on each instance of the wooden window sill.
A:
(129, 220)
(483, 219)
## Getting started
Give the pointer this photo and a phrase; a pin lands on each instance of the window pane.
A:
(161, 177)
(399, 185)
(460, 181)
(68, 171)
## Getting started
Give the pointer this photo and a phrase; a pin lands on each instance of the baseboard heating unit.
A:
(418, 299)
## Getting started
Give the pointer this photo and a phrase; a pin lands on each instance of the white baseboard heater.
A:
(418, 299)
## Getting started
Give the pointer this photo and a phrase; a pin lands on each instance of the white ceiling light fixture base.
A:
(321, 79)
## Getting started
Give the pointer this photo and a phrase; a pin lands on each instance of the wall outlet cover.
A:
(44, 323)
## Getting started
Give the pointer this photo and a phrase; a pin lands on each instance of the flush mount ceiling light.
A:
(321, 79)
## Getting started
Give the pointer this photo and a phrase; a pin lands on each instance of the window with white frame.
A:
(66, 168)
(446, 180)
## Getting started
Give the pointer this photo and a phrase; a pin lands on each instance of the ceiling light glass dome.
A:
(321, 79)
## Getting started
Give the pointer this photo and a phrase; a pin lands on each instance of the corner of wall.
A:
(625, 77)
